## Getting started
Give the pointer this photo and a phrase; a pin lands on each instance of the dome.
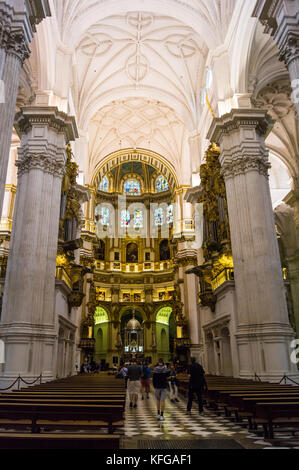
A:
(133, 324)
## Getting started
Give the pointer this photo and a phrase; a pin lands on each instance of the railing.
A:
(284, 379)
(146, 266)
(182, 343)
(226, 275)
(87, 343)
(62, 275)
(20, 380)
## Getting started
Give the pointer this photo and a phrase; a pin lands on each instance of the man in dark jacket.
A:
(197, 384)
(160, 383)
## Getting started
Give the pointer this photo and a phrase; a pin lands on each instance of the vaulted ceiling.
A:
(139, 54)
(137, 123)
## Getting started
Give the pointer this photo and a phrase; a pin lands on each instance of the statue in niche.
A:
(164, 251)
(132, 253)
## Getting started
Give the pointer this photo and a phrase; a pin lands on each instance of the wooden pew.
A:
(55, 412)
(59, 441)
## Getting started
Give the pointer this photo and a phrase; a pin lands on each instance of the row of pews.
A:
(83, 412)
(264, 407)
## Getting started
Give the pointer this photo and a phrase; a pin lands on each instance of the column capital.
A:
(36, 117)
(241, 136)
(19, 24)
(186, 257)
(44, 134)
(35, 161)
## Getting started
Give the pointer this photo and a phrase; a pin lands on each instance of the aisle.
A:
(142, 424)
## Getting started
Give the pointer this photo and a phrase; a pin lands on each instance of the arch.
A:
(100, 316)
(126, 309)
(161, 184)
(161, 164)
(132, 186)
(163, 315)
(104, 184)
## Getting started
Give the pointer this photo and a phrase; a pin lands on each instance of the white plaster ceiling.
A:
(139, 55)
(137, 123)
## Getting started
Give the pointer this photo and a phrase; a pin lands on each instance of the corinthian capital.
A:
(241, 135)
(289, 50)
(44, 163)
(15, 44)
(18, 25)
(243, 164)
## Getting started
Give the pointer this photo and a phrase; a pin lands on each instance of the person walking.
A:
(134, 386)
(145, 380)
(160, 383)
(197, 383)
(173, 385)
(124, 372)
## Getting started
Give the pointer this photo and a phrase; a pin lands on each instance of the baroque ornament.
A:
(216, 245)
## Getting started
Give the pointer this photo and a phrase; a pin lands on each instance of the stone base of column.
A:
(266, 350)
(29, 352)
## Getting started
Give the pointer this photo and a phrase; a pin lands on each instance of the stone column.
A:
(187, 259)
(17, 26)
(263, 330)
(281, 20)
(27, 322)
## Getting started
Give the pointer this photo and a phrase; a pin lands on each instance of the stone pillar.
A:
(187, 259)
(17, 26)
(281, 20)
(27, 322)
(263, 330)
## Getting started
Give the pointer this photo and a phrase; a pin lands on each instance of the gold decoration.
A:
(217, 245)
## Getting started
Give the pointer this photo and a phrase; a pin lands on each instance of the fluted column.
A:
(187, 259)
(17, 26)
(281, 20)
(263, 330)
(27, 322)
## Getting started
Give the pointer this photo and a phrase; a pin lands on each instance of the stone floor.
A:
(142, 424)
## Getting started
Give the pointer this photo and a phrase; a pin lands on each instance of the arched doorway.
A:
(132, 335)
(101, 334)
(165, 333)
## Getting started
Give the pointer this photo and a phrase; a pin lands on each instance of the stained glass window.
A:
(138, 219)
(169, 215)
(104, 186)
(132, 188)
(102, 215)
(125, 218)
(159, 217)
(161, 184)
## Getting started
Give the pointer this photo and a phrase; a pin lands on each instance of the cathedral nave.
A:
(150, 212)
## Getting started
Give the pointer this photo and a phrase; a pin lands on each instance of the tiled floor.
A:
(142, 423)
